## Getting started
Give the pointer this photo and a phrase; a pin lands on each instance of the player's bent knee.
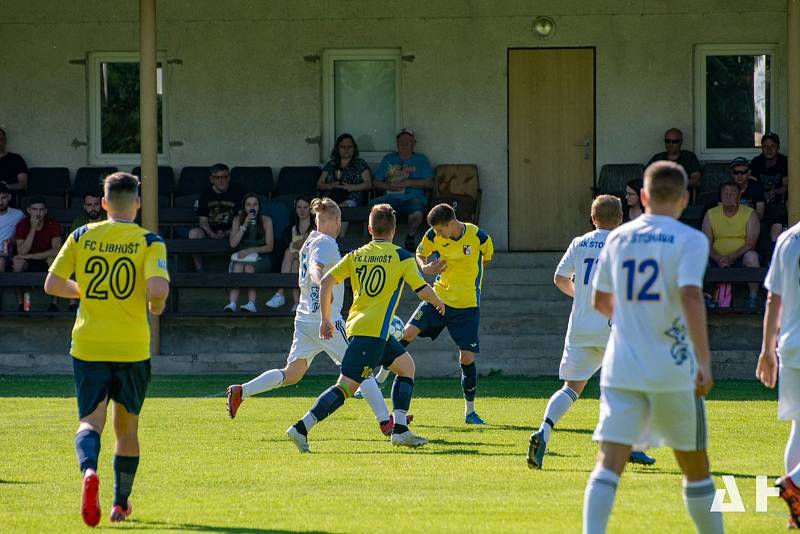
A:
(404, 365)
(410, 332)
(294, 372)
(466, 357)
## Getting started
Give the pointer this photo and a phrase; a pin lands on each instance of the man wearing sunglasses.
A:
(751, 192)
(673, 141)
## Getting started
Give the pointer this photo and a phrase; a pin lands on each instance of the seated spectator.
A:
(13, 169)
(404, 176)
(38, 242)
(295, 235)
(771, 169)
(252, 240)
(673, 141)
(92, 212)
(9, 217)
(732, 229)
(345, 177)
(751, 193)
(632, 207)
(216, 208)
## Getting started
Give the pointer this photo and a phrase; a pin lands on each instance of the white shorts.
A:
(788, 393)
(580, 363)
(306, 343)
(643, 420)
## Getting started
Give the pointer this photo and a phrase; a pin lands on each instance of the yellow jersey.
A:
(377, 272)
(730, 233)
(112, 261)
(460, 285)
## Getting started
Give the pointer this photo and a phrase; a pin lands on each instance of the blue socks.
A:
(87, 445)
(124, 473)
(469, 381)
(402, 390)
(327, 403)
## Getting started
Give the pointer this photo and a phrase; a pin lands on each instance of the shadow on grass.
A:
(18, 482)
(192, 527)
(502, 387)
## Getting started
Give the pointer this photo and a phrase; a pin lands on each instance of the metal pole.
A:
(793, 60)
(148, 124)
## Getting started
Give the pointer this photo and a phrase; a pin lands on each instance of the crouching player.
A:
(588, 330)
(119, 268)
(377, 272)
(657, 366)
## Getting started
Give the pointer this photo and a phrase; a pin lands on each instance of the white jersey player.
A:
(656, 368)
(318, 254)
(588, 330)
(782, 366)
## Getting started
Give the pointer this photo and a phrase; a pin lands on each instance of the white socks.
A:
(560, 402)
(469, 407)
(266, 381)
(382, 375)
(791, 456)
(372, 394)
(400, 417)
(599, 499)
(698, 497)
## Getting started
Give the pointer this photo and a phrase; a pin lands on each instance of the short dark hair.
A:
(729, 183)
(382, 219)
(93, 193)
(636, 184)
(217, 167)
(441, 214)
(37, 200)
(120, 184)
(665, 181)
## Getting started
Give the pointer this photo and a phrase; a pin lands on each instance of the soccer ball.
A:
(396, 328)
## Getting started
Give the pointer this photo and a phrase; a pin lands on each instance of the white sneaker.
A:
(294, 308)
(249, 307)
(299, 439)
(231, 307)
(276, 301)
(408, 439)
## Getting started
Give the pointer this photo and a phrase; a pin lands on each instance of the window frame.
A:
(96, 154)
(701, 53)
(329, 57)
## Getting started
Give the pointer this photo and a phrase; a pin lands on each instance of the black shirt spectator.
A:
(220, 207)
(686, 159)
(752, 195)
(770, 177)
(673, 141)
(13, 169)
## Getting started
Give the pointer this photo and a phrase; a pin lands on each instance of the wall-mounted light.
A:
(544, 27)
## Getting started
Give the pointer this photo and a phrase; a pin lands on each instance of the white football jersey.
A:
(587, 327)
(321, 249)
(644, 264)
(783, 279)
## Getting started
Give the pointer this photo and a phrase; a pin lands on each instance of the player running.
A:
(456, 253)
(657, 366)
(377, 272)
(119, 269)
(783, 316)
(318, 254)
(588, 330)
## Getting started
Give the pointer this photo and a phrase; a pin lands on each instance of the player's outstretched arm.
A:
(566, 285)
(603, 302)
(157, 293)
(694, 309)
(326, 328)
(61, 287)
(428, 295)
(767, 368)
(431, 268)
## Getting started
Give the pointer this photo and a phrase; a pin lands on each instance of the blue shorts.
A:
(122, 382)
(364, 354)
(462, 323)
(403, 204)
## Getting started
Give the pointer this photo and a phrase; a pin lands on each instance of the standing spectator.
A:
(771, 169)
(216, 208)
(38, 242)
(751, 193)
(404, 176)
(732, 230)
(13, 169)
(9, 217)
(92, 211)
(673, 141)
(295, 235)
(346, 177)
(252, 240)
(633, 203)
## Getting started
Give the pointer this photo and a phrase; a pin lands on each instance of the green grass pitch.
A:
(202, 472)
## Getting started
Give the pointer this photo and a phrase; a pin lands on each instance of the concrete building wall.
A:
(244, 94)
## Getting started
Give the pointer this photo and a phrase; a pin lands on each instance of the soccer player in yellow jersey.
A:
(456, 253)
(120, 269)
(377, 272)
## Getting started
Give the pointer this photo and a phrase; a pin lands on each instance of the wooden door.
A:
(551, 146)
